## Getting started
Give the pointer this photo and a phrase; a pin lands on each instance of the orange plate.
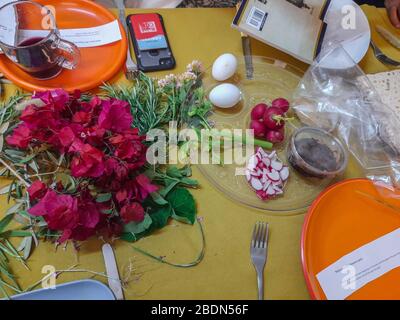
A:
(97, 64)
(340, 221)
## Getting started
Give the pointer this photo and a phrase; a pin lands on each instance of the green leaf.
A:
(186, 171)
(4, 128)
(27, 158)
(6, 189)
(103, 197)
(6, 221)
(15, 233)
(158, 198)
(14, 208)
(190, 182)
(135, 227)
(174, 172)
(170, 185)
(160, 216)
(183, 205)
(28, 247)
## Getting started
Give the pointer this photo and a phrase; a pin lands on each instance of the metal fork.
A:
(383, 57)
(131, 67)
(258, 252)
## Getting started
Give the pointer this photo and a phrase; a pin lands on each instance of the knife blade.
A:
(246, 46)
(248, 59)
(390, 37)
(114, 281)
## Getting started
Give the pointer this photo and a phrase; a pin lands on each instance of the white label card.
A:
(84, 37)
(360, 267)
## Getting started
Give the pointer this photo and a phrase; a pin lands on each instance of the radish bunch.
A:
(268, 122)
(266, 174)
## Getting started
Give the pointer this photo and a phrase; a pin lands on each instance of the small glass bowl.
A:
(322, 137)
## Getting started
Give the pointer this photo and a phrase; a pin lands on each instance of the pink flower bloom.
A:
(57, 97)
(145, 186)
(37, 190)
(66, 136)
(89, 161)
(20, 137)
(89, 213)
(132, 212)
(59, 211)
(115, 115)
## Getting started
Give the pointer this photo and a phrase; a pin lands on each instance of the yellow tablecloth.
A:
(226, 271)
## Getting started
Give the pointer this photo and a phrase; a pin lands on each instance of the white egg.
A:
(224, 67)
(225, 95)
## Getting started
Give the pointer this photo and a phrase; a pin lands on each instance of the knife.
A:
(114, 281)
(246, 46)
(248, 59)
(392, 38)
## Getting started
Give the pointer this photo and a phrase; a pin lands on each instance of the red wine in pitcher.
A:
(37, 57)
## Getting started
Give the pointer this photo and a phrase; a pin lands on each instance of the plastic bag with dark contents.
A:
(344, 102)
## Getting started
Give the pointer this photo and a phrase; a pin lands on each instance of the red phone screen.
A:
(149, 31)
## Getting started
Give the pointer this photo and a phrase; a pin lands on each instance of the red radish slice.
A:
(277, 165)
(267, 184)
(274, 176)
(272, 155)
(266, 174)
(262, 153)
(256, 184)
(252, 163)
(266, 161)
(271, 191)
(284, 173)
(262, 195)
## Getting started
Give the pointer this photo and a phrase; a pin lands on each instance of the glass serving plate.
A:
(272, 79)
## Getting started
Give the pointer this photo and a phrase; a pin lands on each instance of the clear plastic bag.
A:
(345, 103)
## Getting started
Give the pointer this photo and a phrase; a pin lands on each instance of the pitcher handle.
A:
(70, 54)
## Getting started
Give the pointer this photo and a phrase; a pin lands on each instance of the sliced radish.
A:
(278, 183)
(262, 195)
(271, 191)
(284, 173)
(266, 185)
(277, 165)
(264, 179)
(266, 161)
(274, 175)
(253, 161)
(256, 184)
(262, 153)
(272, 155)
(266, 174)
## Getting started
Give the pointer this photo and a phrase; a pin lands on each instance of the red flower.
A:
(132, 212)
(145, 186)
(115, 115)
(59, 211)
(37, 190)
(20, 137)
(57, 97)
(88, 163)
(89, 213)
(81, 117)
(42, 117)
(66, 136)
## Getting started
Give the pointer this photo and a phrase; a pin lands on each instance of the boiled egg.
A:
(224, 67)
(225, 95)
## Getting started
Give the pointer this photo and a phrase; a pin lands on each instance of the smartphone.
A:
(150, 42)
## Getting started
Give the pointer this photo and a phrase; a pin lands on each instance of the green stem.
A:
(185, 265)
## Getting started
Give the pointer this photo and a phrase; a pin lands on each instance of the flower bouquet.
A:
(78, 162)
